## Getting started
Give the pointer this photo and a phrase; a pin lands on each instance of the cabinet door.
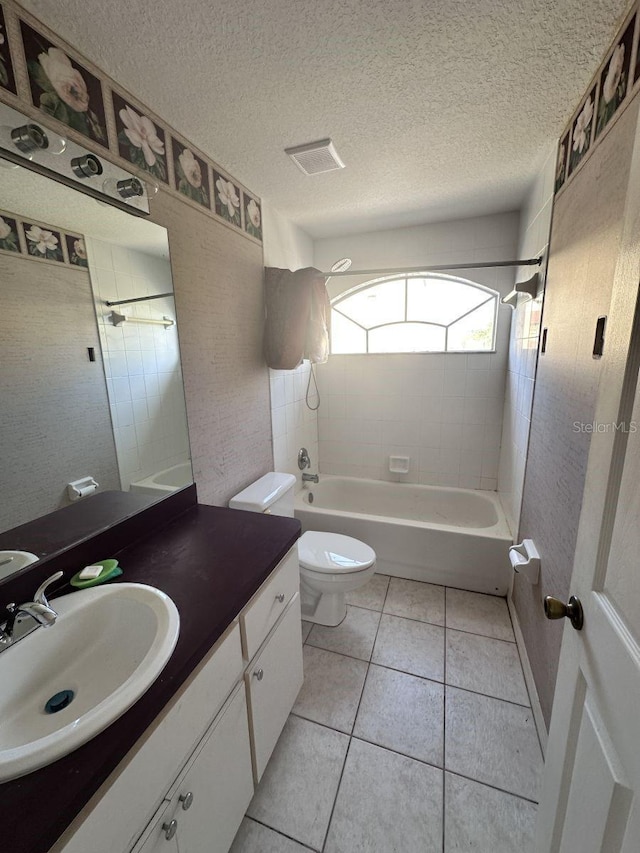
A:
(274, 679)
(220, 783)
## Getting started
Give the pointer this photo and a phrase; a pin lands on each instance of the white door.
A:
(591, 786)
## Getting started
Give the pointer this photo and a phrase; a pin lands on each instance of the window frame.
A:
(491, 294)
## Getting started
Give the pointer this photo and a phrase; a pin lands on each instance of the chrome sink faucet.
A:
(310, 478)
(39, 609)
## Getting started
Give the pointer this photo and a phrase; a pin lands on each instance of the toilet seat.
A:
(333, 553)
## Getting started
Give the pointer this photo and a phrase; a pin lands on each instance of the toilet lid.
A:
(333, 552)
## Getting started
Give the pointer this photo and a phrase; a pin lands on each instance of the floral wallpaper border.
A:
(612, 87)
(38, 69)
(40, 242)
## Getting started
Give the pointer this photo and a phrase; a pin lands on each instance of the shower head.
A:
(342, 265)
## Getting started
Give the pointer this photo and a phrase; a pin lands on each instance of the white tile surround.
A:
(378, 756)
(142, 362)
(535, 224)
(445, 411)
(294, 424)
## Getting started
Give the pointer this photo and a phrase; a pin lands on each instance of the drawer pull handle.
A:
(259, 674)
(170, 829)
(186, 800)
(280, 597)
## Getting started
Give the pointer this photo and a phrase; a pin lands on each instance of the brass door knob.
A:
(556, 609)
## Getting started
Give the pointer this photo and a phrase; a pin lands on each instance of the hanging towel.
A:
(297, 317)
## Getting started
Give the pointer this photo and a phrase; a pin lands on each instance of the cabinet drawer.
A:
(113, 819)
(267, 605)
(219, 781)
(273, 681)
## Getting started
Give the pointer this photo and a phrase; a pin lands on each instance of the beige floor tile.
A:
(486, 666)
(386, 802)
(414, 647)
(482, 819)
(253, 837)
(403, 713)
(332, 688)
(297, 791)
(492, 741)
(415, 600)
(372, 594)
(354, 636)
(479, 614)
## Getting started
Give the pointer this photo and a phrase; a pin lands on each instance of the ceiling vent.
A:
(315, 157)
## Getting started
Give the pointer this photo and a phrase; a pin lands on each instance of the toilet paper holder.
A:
(81, 488)
(525, 560)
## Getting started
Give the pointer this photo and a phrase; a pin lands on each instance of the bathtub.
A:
(164, 482)
(455, 537)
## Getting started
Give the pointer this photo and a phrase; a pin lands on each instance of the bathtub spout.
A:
(310, 478)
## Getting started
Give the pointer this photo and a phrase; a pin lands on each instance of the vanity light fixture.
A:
(87, 166)
(30, 137)
(30, 144)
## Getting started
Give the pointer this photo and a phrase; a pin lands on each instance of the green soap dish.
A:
(110, 570)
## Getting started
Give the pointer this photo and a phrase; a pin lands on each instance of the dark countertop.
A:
(210, 561)
(65, 527)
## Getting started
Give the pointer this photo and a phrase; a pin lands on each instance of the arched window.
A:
(420, 312)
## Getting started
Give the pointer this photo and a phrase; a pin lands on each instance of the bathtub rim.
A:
(499, 530)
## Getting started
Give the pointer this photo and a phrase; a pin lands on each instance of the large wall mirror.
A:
(84, 393)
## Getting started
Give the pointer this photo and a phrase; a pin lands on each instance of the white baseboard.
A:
(528, 677)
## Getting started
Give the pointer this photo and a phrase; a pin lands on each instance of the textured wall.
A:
(442, 410)
(584, 244)
(535, 222)
(54, 424)
(217, 277)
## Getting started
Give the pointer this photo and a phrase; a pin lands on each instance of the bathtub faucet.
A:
(310, 478)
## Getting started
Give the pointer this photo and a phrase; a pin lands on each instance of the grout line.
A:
(488, 696)
(279, 832)
(489, 785)
(444, 726)
(443, 683)
(364, 684)
(436, 624)
(335, 799)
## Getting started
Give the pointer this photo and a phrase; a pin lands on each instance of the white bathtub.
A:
(164, 482)
(455, 537)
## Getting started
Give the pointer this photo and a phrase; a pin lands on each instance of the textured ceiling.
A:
(439, 108)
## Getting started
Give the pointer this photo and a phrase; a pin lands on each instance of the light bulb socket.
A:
(29, 137)
(130, 188)
(87, 166)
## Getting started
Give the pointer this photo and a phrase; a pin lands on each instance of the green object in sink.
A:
(110, 570)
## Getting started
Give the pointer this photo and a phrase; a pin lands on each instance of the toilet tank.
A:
(272, 493)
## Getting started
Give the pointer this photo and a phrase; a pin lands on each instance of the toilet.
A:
(331, 565)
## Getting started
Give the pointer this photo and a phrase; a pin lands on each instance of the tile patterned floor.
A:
(412, 732)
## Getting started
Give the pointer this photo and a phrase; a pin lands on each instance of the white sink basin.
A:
(13, 561)
(108, 645)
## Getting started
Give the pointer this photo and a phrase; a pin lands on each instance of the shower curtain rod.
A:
(526, 262)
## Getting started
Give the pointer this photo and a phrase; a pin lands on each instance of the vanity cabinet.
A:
(208, 801)
(212, 741)
(273, 680)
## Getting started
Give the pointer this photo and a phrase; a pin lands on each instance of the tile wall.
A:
(444, 411)
(142, 362)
